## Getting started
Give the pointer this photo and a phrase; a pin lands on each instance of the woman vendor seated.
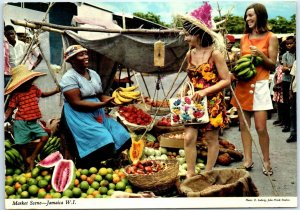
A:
(89, 134)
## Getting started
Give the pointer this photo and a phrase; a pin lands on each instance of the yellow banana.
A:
(116, 99)
(114, 94)
(129, 89)
(123, 99)
(132, 94)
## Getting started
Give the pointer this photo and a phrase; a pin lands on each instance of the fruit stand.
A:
(155, 162)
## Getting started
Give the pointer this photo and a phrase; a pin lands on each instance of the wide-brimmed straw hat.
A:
(73, 50)
(20, 75)
(201, 18)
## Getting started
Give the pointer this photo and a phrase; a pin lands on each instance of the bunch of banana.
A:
(126, 95)
(12, 156)
(245, 67)
(52, 145)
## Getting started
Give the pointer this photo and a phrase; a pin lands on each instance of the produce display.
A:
(135, 115)
(136, 150)
(145, 167)
(164, 121)
(12, 156)
(52, 145)
(245, 67)
(126, 95)
(88, 183)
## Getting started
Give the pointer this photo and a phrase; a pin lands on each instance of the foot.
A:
(286, 129)
(30, 163)
(267, 172)
(246, 167)
(292, 138)
(190, 175)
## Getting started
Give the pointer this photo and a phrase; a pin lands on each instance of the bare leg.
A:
(212, 148)
(190, 139)
(23, 151)
(260, 119)
(246, 137)
(36, 151)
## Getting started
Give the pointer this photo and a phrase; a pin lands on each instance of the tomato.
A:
(148, 169)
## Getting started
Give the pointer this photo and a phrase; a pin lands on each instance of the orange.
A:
(28, 175)
(17, 185)
(96, 192)
(121, 174)
(89, 196)
(76, 182)
(48, 195)
(44, 173)
(90, 180)
(93, 176)
(116, 179)
(83, 177)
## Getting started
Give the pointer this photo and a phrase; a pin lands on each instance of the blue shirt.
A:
(288, 59)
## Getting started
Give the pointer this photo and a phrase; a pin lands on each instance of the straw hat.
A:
(201, 18)
(20, 75)
(73, 50)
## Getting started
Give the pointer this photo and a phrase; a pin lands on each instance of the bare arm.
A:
(74, 98)
(50, 93)
(269, 62)
(8, 113)
(223, 73)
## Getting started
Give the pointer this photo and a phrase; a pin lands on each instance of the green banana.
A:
(11, 155)
(247, 56)
(52, 140)
(258, 60)
(242, 66)
(48, 149)
(7, 144)
(243, 72)
(8, 159)
(248, 75)
(241, 60)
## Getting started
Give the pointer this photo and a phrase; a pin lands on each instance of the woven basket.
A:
(132, 126)
(157, 182)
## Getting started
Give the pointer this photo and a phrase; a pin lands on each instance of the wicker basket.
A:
(158, 182)
(134, 127)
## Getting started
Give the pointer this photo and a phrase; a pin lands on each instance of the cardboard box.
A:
(165, 141)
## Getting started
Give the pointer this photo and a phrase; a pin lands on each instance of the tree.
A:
(151, 17)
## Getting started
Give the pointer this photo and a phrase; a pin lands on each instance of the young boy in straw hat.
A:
(24, 98)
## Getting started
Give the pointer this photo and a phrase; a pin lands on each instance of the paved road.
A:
(283, 155)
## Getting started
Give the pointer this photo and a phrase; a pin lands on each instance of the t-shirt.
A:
(288, 59)
(27, 104)
(72, 80)
(18, 51)
(294, 73)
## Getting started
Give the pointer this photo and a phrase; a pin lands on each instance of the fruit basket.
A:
(157, 182)
(220, 183)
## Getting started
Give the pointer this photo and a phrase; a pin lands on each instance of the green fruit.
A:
(42, 183)
(111, 186)
(31, 181)
(9, 181)
(9, 171)
(110, 171)
(10, 190)
(95, 185)
(22, 179)
(84, 186)
(24, 194)
(103, 190)
(109, 177)
(12, 197)
(35, 172)
(38, 178)
(41, 194)
(18, 171)
(98, 178)
(120, 186)
(104, 183)
(25, 187)
(56, 195)
(243, 72)
(90, 191)
(84, 172)
(19, 191)
(93, 170)
(83, 195)
(47, 178)
(33, 189)
(110, 192)
(98, 196)
(68, 193)
(76, 192)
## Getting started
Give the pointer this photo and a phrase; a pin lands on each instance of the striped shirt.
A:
(27, 104)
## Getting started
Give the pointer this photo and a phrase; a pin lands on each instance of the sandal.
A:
(270, 172)
(247, 168)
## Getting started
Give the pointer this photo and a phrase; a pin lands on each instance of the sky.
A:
(165, 9)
